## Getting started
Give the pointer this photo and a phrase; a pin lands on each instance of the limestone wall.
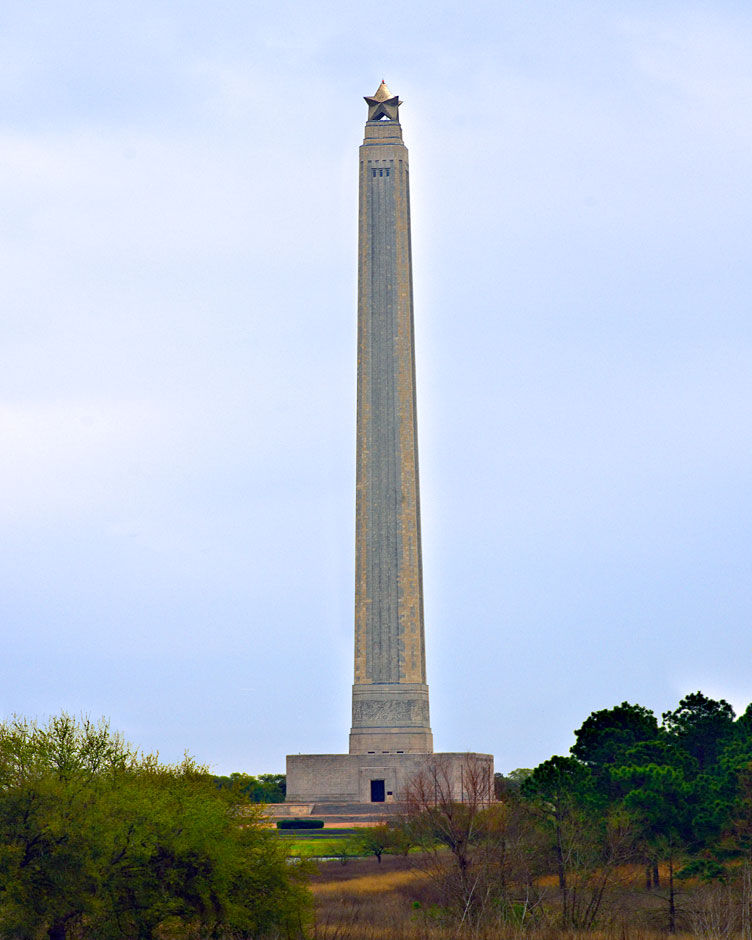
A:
(347, 778)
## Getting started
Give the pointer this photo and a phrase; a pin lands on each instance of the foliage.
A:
(701, 727)
(607, 735)
(706, 869)
(384, 838)
(587, 840)
(98, 841)
(266, 788)
(298, 822)
(673, 798)
(510, 784)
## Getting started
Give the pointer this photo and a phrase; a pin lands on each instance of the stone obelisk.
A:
(390, 695)
(391, 743)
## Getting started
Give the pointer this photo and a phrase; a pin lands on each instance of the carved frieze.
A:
(392, 712)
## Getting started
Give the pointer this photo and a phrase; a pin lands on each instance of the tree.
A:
(509, 785)
(438, 821)
(701, 727)
(556, 789)
(588, 839)
(607, 734)
(266, 788)
(98, 841)
(661, 799)
(376, 840)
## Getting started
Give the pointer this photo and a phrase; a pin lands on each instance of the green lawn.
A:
(310, 843)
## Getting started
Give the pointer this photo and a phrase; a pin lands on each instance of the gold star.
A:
(383, 104)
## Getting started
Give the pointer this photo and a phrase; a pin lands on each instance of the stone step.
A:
(355, 809)
(287, 810)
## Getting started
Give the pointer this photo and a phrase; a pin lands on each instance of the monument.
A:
(390, 738)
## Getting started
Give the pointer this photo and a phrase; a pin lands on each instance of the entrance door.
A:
(377, 791)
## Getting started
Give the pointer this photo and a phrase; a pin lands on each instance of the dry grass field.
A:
(396, 900)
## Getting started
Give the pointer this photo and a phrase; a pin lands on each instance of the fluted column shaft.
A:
(390, 695)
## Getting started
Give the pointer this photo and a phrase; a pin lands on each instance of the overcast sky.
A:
(177, 408)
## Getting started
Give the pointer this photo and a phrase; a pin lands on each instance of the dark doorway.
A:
(377, 791)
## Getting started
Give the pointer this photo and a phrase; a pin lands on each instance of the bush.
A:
(300, 823)
(99, 841)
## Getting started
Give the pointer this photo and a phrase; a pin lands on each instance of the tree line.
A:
(98, 840)
(671, 799)
(675, 795)
(265, 788)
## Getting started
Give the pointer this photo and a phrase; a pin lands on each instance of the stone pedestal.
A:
(359, 778)
(390, 718)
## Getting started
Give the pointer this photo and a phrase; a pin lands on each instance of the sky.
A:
(177, 392)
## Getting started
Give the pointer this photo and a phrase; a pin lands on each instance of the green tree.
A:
(376, 840)
(98, 841)
(606, 735)
(661, 799)
(509, 785)
(559, 789)
(701, 727)
(266, 788)
(588, 839)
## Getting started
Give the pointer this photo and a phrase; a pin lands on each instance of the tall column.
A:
(390, 695)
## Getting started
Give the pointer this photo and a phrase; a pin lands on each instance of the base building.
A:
(390, 740)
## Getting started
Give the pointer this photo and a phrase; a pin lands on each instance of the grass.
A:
(323, 848)
(396, 900)
(369, 884)
(316, 843)
(300, 834)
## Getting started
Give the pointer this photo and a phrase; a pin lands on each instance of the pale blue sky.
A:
(177, 397)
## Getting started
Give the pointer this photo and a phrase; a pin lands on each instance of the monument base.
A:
(390, 718)
(388, 778)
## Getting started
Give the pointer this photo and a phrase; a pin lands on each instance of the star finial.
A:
(383, 104)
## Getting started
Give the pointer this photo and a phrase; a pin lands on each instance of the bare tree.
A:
(451, 814)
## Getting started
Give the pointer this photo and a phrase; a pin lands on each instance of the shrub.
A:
(97, 840)
(300, 823)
